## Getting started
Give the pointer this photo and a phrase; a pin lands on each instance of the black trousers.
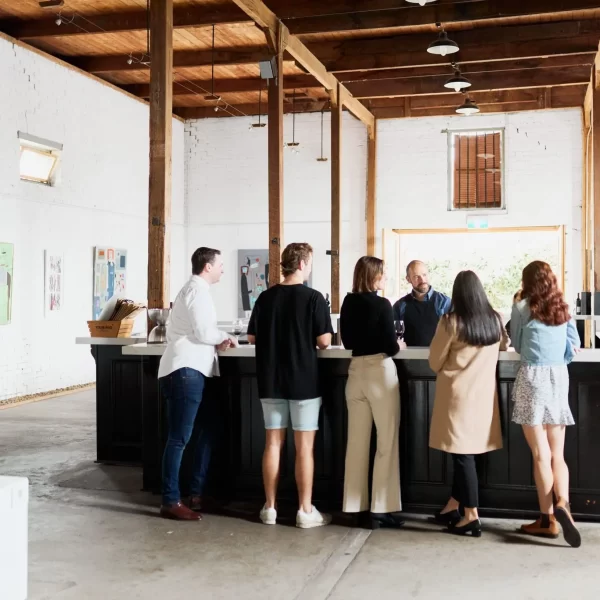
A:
(465, 487)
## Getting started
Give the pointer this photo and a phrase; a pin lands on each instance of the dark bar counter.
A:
(506, 476)
(118, 401)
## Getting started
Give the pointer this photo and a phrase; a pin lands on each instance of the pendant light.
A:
(259, 124)
(322, 158)
(420, 2)
(443, 45)
(468, 107)
(294, 144)
(212, 96)
(457, 82)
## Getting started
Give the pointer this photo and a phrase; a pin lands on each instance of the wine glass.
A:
(238, 327)
(399, 327)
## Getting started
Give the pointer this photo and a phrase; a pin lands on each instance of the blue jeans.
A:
(183, 390)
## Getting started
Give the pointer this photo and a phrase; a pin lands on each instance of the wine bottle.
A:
(578, 305)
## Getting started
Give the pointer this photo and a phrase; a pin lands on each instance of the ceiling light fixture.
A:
(420, 2)
(322, 158)
(457, 82)
(443, 45)
(468, 107)
(58, 20)
(259, 124)
(212, 96)
(294, 144)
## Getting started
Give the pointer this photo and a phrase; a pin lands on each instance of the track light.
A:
(443, 45)
(457, 82)
(468, 107)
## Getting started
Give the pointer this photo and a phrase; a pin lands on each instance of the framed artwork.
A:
(6, 282)
(253, 273)
(110, 276)
(54, 273)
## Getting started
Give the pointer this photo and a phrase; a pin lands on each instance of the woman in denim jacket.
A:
(544, 334)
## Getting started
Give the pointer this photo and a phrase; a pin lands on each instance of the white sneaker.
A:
(268, 515)
(312, 519)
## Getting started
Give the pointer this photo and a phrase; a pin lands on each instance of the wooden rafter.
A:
(443, 104)
(312, 16)
(503, 68)
(267, 19)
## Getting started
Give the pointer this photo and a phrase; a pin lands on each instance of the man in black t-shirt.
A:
(288, 322)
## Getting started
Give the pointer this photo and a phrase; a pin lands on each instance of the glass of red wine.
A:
(399, 326)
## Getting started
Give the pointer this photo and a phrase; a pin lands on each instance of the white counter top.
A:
(247, 351)
(99, 341)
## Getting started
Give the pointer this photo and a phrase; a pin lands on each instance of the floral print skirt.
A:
(541, 396)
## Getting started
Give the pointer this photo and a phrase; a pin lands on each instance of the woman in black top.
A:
(372, 394)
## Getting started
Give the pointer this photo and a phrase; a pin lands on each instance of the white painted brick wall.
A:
(100, 199)
(227, 195)
(544, 169)
(226, 185)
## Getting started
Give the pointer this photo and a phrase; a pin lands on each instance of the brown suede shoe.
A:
(179, 512)
(536, 528)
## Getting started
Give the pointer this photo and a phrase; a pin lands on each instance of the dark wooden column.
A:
(371, 187)
(161, 122)
(275, 145)
(336, 185)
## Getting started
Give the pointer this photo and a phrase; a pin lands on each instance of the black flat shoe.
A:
(449, 518)
(473, 528)
(386, 521)
(570, 532)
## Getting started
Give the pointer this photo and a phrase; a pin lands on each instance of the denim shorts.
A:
(304, 414)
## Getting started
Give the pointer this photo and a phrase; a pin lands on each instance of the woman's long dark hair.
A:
(477, 323)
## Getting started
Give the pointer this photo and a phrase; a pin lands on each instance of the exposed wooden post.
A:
(595, 123)
(275, 145)
(337, 101)
(371, 188)
(161, 122)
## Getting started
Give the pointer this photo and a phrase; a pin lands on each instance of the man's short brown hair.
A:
(293, 255)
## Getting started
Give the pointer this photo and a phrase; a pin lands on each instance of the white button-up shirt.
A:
(192, 333)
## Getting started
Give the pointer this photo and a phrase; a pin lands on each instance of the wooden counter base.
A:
(506, 476)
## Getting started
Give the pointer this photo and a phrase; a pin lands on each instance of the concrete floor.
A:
(93, 535)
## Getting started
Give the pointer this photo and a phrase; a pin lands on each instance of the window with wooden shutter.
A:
(476, 169)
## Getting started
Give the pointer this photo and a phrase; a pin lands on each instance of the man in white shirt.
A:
(193, 339)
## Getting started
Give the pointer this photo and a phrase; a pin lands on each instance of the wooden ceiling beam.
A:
(502, 80)
(240, 110)
(398, 14)
(228, 86)
(562, 97)
(181, 58)
(118, 22)
(308, 82)
(312, 16)
(267, 19)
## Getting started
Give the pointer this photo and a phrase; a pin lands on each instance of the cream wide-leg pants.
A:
(372, 393)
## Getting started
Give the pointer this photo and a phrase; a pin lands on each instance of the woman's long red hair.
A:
(546, 301)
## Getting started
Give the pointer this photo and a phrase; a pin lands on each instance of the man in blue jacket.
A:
(422, 308)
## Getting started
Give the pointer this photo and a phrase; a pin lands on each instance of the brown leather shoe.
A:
(536, 528)
(195, 503)
(179, 512)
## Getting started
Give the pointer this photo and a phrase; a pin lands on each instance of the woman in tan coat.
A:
(466, 418)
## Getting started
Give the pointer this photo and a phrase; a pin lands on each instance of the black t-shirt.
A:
(367, 325)
(286, 321)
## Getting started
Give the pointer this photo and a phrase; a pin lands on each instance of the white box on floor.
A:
(14, 501)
